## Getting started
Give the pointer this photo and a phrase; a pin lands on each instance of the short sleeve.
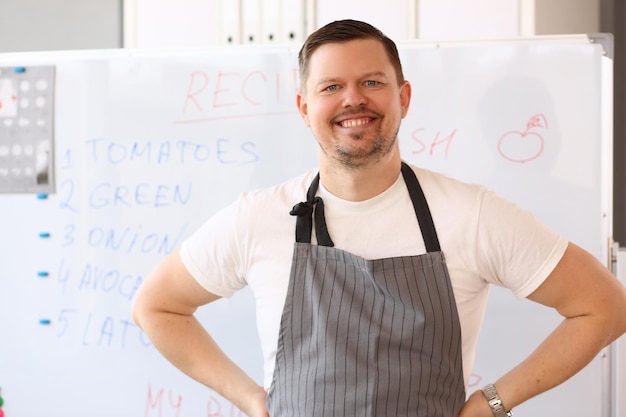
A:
(211, 254)
(514, 248)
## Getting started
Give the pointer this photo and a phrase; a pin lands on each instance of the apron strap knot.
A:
(304, 222)
(302, 209)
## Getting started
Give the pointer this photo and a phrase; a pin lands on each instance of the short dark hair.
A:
(343, 31)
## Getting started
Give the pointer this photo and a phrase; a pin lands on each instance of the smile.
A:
(355, 122)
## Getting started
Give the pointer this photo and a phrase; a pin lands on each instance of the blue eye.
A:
(333, 87)
(371, 83)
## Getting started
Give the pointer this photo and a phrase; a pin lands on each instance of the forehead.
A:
(338, 60)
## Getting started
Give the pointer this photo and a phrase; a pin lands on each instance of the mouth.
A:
(355, 122)
(356, 119)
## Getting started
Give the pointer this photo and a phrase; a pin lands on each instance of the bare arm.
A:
(164, 307)
(593, 304)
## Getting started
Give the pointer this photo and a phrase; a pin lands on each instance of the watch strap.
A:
(495, 403)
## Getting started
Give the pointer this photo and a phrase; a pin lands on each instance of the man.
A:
(380, 315)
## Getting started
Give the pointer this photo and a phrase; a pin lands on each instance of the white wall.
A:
(183, 23)
(167, 23)
(468, 19)
(396, 21)
(44, 25)
(154, 23)
(28, 25)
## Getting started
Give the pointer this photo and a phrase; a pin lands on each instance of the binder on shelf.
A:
(271, 21)
(230, 23)
(251, 21)
(293, 21)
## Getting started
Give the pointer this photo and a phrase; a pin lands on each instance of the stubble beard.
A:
(358, 158)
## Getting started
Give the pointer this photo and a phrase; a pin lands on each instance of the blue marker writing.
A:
(44, 321)
(43, 273)
(44, 235)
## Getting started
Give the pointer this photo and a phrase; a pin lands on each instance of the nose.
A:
(354, 96)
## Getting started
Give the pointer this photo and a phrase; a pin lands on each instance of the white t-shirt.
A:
(485, 240)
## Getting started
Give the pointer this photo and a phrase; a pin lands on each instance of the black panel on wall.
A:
(612, 18)
(43, 25)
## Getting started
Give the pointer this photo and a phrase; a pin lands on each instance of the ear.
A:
(303, 109)
(405, 97)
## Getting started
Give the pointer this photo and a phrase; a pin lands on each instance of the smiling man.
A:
(376, 307)
(353, 101)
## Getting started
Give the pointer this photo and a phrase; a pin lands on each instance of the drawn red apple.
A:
(523, 146)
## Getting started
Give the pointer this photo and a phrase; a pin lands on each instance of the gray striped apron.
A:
(367, 337)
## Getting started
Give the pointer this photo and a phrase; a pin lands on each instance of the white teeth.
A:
(354, 122)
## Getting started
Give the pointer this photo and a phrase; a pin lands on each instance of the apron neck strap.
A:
(304, 212)
(429, 234)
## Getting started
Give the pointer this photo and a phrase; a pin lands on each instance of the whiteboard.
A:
(150, 143)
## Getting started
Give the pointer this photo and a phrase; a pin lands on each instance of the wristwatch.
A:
(497, 408)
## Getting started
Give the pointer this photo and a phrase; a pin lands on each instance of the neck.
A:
(362, 183)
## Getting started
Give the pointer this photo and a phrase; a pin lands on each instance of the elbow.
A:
(616, 331)
(135, 312)
(620, 315)
(616, 316)
(138, 309)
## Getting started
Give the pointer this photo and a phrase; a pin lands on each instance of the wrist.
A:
(498, 409)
